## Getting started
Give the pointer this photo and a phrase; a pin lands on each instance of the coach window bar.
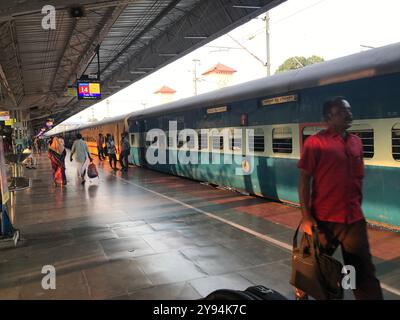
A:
(282, 141)
(257, 140)
(396, 141)
(203, 139)
(366, 134)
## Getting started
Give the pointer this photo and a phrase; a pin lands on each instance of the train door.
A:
(308, 129)
(142, 142)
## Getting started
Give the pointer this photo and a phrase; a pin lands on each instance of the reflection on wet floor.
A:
(111, 239)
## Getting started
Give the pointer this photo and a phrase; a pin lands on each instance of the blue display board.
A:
(88, 90)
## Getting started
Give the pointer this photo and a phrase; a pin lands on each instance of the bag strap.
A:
(317, 253)
(313, 242)
(295, 236)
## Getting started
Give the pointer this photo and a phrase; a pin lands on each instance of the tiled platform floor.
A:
(144, 235)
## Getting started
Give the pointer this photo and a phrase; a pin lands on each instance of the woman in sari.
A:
(57, 158)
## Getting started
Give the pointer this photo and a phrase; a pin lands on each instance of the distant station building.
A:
(219, 76)
(165, 94)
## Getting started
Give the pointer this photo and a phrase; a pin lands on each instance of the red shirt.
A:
(337, 168)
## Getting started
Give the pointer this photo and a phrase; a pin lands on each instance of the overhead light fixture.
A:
(247, 7)
(167, 54)
(114, 87)
(76, 12)
(195, 37)
(145, 68)
(123, 81)
(137, 72)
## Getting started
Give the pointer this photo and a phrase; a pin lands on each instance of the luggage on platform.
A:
(92, 171)
(251, 293)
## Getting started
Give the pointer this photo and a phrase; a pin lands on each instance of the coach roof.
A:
(369, 63)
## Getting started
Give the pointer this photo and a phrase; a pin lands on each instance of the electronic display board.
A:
(88, 90)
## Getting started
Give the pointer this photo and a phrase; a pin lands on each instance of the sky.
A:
(327, 28)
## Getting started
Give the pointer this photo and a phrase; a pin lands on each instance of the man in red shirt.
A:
(333, 161)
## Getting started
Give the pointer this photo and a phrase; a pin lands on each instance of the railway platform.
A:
(149, 235)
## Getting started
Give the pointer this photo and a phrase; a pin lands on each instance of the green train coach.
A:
(262, 124)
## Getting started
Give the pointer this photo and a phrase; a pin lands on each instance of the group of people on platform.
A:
(81, 153)
(106, 147)
(330, 190)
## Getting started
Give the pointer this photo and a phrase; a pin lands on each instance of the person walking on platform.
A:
(64, 154)
(30, 161)
(56, 154)
(125, 150)
(36, 148)
(331, 164)
(100, 150)
(82, 156)
(110, 144)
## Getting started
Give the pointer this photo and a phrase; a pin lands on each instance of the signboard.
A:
(9, 122)
(88, 90)
(4, 115)
(217, 110)
(5, 195)
(72, 92)
(278, 100)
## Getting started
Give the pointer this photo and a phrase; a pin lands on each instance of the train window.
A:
(282, 141)
(366, 134)
(396, 142)
(170, 140)
(203, 140)
(189, 142)
(132, 139)
(309, 131)
(235, 143)
(257, 141)
(151, 143)
(218, 142)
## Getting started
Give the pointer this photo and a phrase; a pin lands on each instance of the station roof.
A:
(134, 38)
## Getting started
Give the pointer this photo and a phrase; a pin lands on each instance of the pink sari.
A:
(57, 156)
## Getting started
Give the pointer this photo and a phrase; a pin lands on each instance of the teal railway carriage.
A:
(90, 132)
(283, 110)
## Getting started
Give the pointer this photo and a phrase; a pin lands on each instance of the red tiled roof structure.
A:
(165, 89)
(220, 68)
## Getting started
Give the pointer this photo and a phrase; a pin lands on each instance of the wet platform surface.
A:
(148, 235)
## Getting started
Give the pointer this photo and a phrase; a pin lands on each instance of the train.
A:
(280, 112)
(90, 132)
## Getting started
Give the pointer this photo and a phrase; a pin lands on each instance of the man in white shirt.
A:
(82, 156)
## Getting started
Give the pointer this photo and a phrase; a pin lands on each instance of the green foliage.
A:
(298, 62)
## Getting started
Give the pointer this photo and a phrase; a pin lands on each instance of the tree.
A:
(298, 62)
